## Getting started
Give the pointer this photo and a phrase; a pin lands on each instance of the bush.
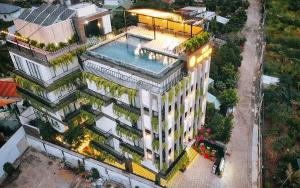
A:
(8, 168)
(95, 173)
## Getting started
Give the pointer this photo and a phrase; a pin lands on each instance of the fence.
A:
(106, 171)
(12, 149)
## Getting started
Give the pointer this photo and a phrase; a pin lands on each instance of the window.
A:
(170, 151)
(170, 131)
(170, 108)
(33, 69)
(175, 126)
(18, 63)
(185, 114)
(190, 109)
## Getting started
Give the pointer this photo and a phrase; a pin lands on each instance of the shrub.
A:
(8, 168)
(95, 173)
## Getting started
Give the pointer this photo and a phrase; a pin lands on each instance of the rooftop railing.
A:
(37, 53)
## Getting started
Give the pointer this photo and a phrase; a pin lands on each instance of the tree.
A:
(95, 174)
(228, 99)
(282, 143)
(292, 176)
(74, 135)
(46, 130)
(229, 75)
(278, 113)
(8, 168)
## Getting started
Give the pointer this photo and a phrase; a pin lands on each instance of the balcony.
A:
(89, 109)
(53, 83)
(37, 54)
(134, 149)
(109, 150)
(106, 99)
(132, 129)
(52, 106)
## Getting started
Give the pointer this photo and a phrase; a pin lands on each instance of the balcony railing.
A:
(131, 82)
(37, 53)
(50, 81)
(132, 129)
(108, 149)
(136, 149)
(46, 103)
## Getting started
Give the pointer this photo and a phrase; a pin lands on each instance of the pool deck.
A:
(164, 42)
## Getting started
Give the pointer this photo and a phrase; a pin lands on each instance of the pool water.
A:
(123, 50)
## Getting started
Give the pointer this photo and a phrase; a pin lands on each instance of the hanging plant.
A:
(121, 131)
(135, 156)
(155, 144)
(154, 123)
(128, 115)
(163, 98)
(114, 89)
(67, 57)
(171, 94)
(177, 89)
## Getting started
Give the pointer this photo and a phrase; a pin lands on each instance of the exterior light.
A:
(86, 22)
(149, 156)
(133, 14)
(98, 24)
(192, 62)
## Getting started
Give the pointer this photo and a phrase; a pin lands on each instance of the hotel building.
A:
(139, 95)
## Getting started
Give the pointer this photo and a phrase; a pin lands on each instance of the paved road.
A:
(237, 172)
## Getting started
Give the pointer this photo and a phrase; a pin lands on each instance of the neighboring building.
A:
(201, 12)
(9, 12)
(268, 81)
(8, 93)
(143, 96)
(117, 4)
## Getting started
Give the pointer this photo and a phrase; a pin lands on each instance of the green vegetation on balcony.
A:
(181, 109)
(196, 42)
(156, 163)
(67, 57)
(135, 156)
(83, 117)
(64, 81)
(94, 136)
(91, 100)
(154, 123)
(164, 125)
(101, 154)
(176, 115)
(128, 115)
(155, 144)
(38, 104)
(114, 89)
(121, 131)
(177, 89)
(171, 94)
(176, 135)
(199, 92)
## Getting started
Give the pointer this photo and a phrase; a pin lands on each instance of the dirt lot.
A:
(37, 170)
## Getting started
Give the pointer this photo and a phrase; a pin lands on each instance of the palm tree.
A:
(292, 176)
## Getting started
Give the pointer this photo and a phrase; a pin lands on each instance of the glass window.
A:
(18, 63)
(33, 69)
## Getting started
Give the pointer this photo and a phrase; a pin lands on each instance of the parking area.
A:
(37, 170)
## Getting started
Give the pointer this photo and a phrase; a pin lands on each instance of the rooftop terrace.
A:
(139, 49)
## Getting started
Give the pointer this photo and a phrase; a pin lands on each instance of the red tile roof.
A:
(4, 102)
(8, 88)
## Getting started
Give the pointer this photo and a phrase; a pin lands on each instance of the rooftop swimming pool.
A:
(128, 51)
